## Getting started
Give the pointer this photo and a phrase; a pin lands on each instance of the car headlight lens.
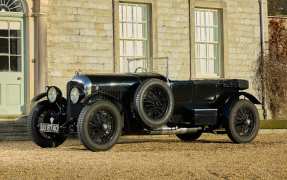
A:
(75, 95)
(52, 94)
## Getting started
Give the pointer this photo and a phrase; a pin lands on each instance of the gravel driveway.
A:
(150, 157)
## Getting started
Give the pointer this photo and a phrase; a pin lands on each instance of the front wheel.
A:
(43, 113)
(100, 126)
(243, 123)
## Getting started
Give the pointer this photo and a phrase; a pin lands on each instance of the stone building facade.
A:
(198, 38)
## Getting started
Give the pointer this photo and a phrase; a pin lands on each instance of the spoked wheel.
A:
(243, 124)
(44, 113)
(154, 102)
(100, 126)
(190, 136)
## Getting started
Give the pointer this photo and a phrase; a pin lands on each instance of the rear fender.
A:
(229, 99)
(234, 98)
(250, 97)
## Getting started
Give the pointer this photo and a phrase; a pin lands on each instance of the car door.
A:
(11, 67)
(205, 92)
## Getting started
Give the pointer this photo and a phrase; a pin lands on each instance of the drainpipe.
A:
(190, 39)
(262, 48)
(114, 36)
(36, 15)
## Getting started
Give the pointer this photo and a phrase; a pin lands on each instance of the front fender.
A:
(39, 97)
(101, 96)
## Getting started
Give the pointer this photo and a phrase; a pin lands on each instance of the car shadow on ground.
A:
(139, 144)
(169, 141)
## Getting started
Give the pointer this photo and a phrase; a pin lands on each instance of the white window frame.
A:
(217, 59)
(123, 21)
(21, 44)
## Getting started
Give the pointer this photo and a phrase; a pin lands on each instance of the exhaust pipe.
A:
(171, 131)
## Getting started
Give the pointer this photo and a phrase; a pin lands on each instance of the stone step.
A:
(14, 130)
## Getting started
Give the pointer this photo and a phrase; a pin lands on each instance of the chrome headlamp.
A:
(75, 95)
(52, 94)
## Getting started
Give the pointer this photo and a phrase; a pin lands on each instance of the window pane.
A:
(15, 33)
(202, 51)
(203, 35)
(4, 33)
(4, 29)
(4, 25)
(133, 34)
(216, 66)
(207, 41)
(209, 34)
(139, 48)
(4, 63)
(15, 46)
(201, 66)
(135, 18)
(202, 18)
(15, 63)
(15, 29)
(129, 13)
(145, 13)
(129, 47)
(211, 51)
(129, 30)
(211, 66)
(140, 14)
(216, 19)
(4, 44)
(209, 18)
(120, 12)
(124, 15)
(122, 48)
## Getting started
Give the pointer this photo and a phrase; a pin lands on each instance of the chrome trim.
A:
(171, 131)
(82, 79)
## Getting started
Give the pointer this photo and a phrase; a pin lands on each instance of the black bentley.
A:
(101, 108)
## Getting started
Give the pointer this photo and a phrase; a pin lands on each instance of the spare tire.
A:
(154, 102)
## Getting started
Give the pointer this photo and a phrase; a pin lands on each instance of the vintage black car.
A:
(101, 108)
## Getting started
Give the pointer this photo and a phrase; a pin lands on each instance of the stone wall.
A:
(244, 39)
(79, 37)
(173, 36)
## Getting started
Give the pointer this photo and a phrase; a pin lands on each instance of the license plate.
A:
(50, 128)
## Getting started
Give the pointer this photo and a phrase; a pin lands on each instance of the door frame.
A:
(21, 17)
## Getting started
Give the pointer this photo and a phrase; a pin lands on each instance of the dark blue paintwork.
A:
(197, 102)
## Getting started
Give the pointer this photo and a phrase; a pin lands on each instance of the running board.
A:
(171, 131)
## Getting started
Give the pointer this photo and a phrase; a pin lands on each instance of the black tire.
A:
(154, 102)
(243, 123)
(42, 139)
(98, 121)
(190, 136)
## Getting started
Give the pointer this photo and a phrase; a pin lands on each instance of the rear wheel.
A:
(190, 136)
(154, 102)
(100, 126)
(42, 113)
(243, 123)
